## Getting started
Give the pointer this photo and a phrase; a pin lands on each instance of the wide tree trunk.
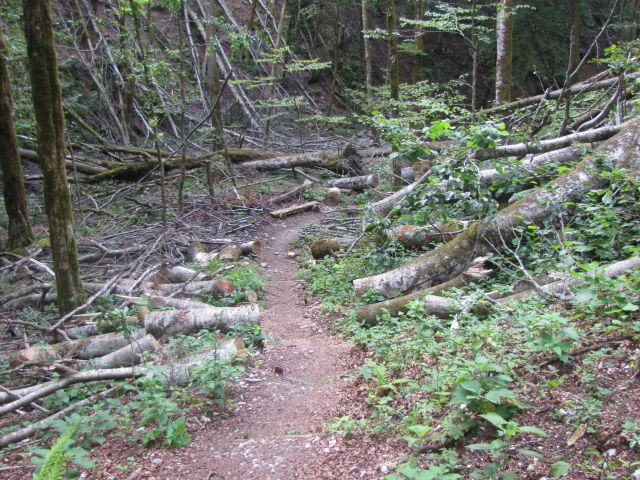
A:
(47, 104)
(504, 34)
(15, 198)
(454, 258)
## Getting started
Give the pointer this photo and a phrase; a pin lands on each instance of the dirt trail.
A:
(285, 399)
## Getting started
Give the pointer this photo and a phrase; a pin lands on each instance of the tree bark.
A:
(413, 237)
(171, 322)
(520, 149)
(15, 197)
(367, 49)
(504, 33)
(369, 313)
(359, 183)
(384, 206)
(453, 258)
(47, 104)
(285, 212)
(129, 354)
(325, 159)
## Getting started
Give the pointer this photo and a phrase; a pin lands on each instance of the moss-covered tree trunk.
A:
(504, 33)
(15, 199)
(47, 104)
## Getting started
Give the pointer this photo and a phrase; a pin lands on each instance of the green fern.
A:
(56, 460)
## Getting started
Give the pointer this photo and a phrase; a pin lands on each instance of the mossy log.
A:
(171, 322)
(369, 313)
(541, 146)
(538, 205)
(327, 159)
(322, 248)
(413, 237)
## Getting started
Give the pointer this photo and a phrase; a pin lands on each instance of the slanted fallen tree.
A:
(384, 206)
(414, 237)
(369, 313)
(480, 238)
(541, 146)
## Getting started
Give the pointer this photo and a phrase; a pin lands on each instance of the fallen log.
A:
(562, 288)
(531, 164)
(218, 287)
(254, 246)
(130, 354)
(383, 207)
(408, 174)
(451, 259)
(230, 253)
(293, 193)
(99, 345)
(78, 377)
(322, 248)
(541, 146)
(32, 428)
(325, 159)
(586, 86)
(171, 322)
(285, 212)
(180, 274)
(369, 313)
(357, 183)
(332, 197)
(413, 237)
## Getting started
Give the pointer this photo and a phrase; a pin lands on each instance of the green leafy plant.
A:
(560, 344)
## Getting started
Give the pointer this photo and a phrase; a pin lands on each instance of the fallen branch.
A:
(293, 193)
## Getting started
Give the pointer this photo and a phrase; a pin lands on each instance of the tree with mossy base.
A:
(15, 199)
(47, 105)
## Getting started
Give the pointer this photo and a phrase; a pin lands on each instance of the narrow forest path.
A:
(284, 400)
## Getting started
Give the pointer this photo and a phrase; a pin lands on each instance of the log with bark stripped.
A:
(129, 354)
(413, 237)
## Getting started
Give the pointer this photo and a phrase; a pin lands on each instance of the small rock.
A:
(263, 265)
(157, 461)
(636, 475)
(291, 254)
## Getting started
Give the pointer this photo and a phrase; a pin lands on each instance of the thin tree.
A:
(418, 42)
(367, 48)
(392, 31)
(47, 104)
(504, 60)
(15, 198)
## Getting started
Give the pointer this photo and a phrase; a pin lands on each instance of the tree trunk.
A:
(418, 43)
(574, 40)
(504, 33)
(47, 104)
(15, 198)
(274, 70)
(392, 32)
(453, 258)
(326, 159)
(367, 49)
(413, 237)
(294, 192)
(128, 355)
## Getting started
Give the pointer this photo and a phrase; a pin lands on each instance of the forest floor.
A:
(276, 428)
